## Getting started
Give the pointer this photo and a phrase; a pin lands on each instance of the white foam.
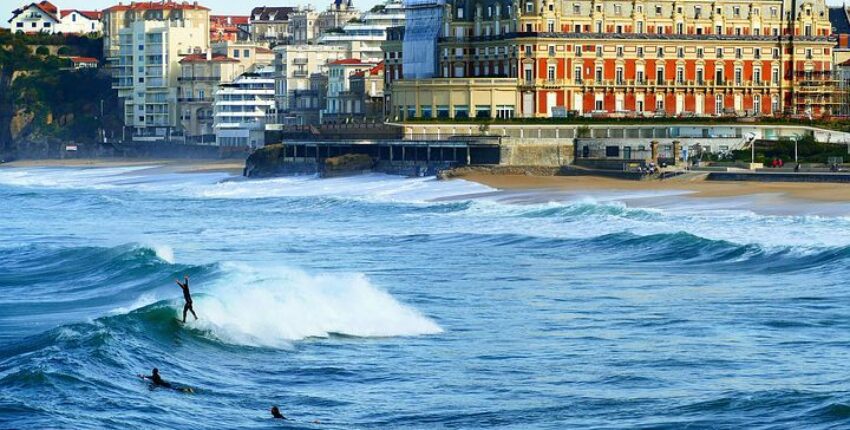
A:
(275, 306)
(164, 253)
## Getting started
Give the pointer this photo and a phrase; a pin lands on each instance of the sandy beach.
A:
(232, 166)
(822, 192)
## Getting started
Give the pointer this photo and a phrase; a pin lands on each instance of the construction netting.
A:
(423, 19)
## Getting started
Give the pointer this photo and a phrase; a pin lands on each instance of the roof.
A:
(157, 5)
(229, 19)
(90, 14)
(374, 71)
(264, 13)
(83, 59)
(845, 63)
(839, 20)
(48, 8)
(346, 61)
(202, 58)
(263, 50)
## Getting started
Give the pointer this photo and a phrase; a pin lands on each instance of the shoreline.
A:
(169, 165)
(818, 192)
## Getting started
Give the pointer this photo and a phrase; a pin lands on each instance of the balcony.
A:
(199, 79)
(300, 74)
(299, 61)
(195, 100)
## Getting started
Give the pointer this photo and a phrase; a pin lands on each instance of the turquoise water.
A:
(378, 302)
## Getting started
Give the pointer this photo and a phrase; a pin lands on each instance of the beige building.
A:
(202, 74)
(336, 16)
(270, 23)
(303, 25)
(144, 43)
(454, 98)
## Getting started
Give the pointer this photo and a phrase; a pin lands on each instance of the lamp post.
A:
(795, 148)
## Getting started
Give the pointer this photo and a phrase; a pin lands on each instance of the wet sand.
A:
(697, 187)
(233, 166)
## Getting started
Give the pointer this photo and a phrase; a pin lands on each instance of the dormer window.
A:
(529, 7)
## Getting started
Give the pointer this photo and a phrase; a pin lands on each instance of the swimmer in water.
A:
(276, 413)
(157, 381)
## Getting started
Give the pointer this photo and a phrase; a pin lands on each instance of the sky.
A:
(219, 7)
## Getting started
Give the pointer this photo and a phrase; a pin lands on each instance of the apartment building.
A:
(363, 37)
(270, 24)
(294, 65)
(241, 108)
(303, 25)
(144, 43)
(537, 58)
(340, 104)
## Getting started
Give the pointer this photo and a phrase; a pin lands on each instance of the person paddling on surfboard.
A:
(187, 296)
(157, 381)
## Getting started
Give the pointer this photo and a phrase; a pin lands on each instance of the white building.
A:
(42, 17)
(80, 22)
(362, 38)
(338, 82)
(241, 106)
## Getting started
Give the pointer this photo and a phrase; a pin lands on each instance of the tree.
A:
(64, 50)
(42, 50)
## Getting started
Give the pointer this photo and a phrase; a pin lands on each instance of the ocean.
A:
(380, 302)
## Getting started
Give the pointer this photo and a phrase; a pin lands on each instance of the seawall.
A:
(831, 177)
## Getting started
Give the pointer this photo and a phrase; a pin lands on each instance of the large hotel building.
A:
(542, 58)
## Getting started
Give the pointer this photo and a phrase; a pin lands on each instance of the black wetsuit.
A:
(188, 297)
(158, 381)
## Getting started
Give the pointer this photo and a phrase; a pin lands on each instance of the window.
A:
(235, 53)
(700, 52)
(775, 53)
(141, 47)
(598, 73)
(639, 77)
(577, 74)
(757, 54)
(718, 29)
(618, 29)
(808, 30)
(757, 76)
(659, 102)
(246, 53)
(640, 27)
(578, 50)
(658, 10)
(736, 10)
(529, 7)
(551, 50)
(680, 28)
(74, 17)
(718, 103)
(619, 52)
(551, 26)
(739, 76)
(19, 25)
(599, 26)
(640, 51)
(599, 51)
(659, 75)
(619, 76)
(618, 10)
(597, 105)
(775, 76)
(700, 75)
(697, 11)
(808, 53)
(774, 104)
(719, 52)
(680, 52)
(551, 73)
(576, 9)
(756, 103)
(680, 75)
(660, 52)
(739, 53)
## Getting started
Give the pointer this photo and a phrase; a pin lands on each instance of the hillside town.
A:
(183, 74)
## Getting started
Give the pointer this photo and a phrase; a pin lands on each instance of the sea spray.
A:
(275, 306)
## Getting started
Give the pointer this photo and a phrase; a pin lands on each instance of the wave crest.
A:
(273, 307)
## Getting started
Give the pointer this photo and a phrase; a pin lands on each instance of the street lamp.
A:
(751, 137)
(796, 138)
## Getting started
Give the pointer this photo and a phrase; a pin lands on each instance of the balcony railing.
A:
(199, 79)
